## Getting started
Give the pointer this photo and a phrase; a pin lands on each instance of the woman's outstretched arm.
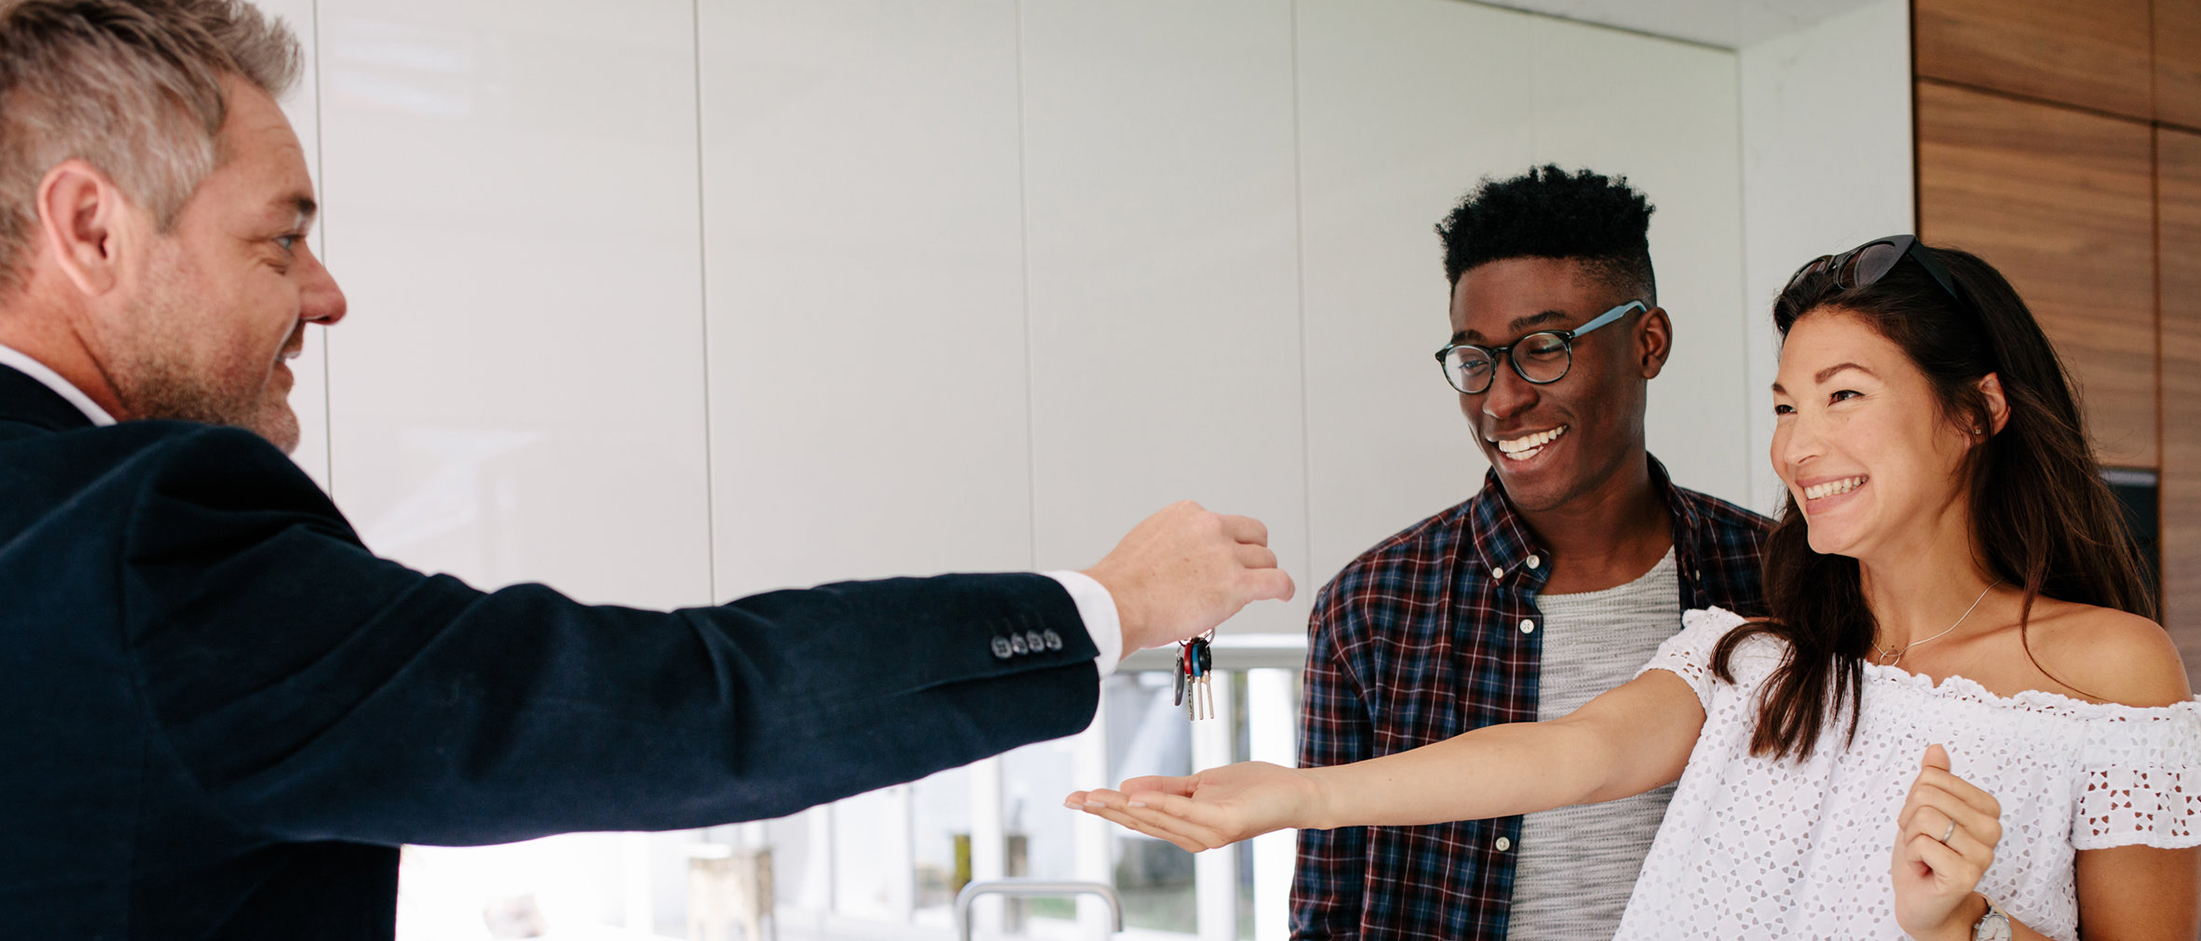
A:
(1627, 741)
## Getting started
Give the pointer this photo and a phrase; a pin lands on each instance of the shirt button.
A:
(1497, 572)
(1504, 844)
(1534, 561)
(1528, 626)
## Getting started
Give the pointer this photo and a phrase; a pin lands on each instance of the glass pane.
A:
(1042, 838)
(1149, 734)
(1241, 742)
(871, 856)
(799, 879)
(567, 883)
(941, 824)
(1244, 849)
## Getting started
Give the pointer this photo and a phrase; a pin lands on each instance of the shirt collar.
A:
(1689, 523)
(1506, 544)
(23, 363)
(1501, 537)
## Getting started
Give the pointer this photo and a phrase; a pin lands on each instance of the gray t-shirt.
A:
(1576, 865)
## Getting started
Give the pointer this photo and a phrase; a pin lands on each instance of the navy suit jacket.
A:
(223, 714)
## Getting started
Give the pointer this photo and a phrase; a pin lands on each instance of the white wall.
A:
(1826, 164)
(1404, 105)
(1163, 265)
(881, 288)
(512, 209)
(713, 296)
(862, 219)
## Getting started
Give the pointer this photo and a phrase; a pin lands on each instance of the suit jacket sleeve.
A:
(315, 691)
(1327, 885)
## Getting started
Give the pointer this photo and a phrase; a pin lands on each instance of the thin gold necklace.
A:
(1894, 655)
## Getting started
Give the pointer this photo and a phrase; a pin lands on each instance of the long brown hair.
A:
(2041, 516)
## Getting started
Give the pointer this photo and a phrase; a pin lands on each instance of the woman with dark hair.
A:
(1960, 720)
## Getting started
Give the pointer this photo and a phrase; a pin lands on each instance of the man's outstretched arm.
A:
(317, 692)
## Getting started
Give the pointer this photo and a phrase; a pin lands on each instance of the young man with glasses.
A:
(1554, 583)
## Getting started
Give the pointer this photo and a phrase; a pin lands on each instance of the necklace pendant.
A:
(1890, 656)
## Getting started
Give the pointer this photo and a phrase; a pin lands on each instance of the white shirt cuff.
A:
(1098, 610)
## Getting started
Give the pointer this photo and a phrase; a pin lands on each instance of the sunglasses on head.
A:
(1872, 261)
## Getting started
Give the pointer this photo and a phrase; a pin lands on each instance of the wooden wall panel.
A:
(2091, 53)
(2178, 62)
(2061, 202)
(2178, 161)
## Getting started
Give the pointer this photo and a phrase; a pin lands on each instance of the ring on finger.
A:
(1946, 834)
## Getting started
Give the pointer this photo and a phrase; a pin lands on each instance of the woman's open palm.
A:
(1216, 807)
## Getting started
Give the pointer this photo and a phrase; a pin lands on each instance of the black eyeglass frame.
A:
(1847, 274)
(1566, 340)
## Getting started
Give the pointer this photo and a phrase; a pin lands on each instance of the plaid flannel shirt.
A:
(1417, 641)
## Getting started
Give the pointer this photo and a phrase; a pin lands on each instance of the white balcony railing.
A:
(1010, 810)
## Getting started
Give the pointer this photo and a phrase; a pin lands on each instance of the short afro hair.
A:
(1550, 213)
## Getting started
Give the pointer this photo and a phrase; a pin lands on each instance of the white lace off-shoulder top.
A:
(1763, 848)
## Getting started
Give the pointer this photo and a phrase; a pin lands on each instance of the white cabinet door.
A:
(864, 245)
(1403, 106)
(1161, 197)
(1666, 115)
(518, 393)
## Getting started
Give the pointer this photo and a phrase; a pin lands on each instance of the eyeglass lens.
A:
(1538, 357)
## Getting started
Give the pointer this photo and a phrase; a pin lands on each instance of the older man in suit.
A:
(225, 714)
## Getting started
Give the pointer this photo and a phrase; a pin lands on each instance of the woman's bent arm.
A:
(1627, 741)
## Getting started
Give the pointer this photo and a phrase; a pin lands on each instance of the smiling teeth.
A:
(1527, 445)
(1833, 487)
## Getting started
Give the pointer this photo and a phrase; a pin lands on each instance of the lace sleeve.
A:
(1689, 654)
(2138, 778)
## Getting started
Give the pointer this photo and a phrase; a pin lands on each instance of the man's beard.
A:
(153, 381)
(163, 389)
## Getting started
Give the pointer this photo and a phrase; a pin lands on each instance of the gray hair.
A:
(133, 87)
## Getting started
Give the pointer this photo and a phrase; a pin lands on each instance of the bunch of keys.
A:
(1195, 663)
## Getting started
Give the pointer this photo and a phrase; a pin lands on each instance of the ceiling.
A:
(1725, 23)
